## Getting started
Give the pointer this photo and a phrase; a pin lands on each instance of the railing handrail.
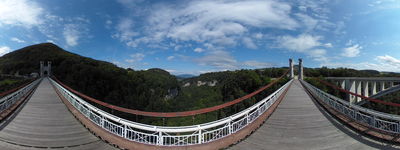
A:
(151, 127)
(358, 95)
(171, 114)
(5, 93)
(235, 121)
(374, 116)
(9, 100)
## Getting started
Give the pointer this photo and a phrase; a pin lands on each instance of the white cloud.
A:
(383, 63)
(137, 57)
(258, 36)
(328, 45)
(74, 32)
(216, 22)
(248, 42)
(17, 40)
(308, 22)
(129, 3)
(170, 58)
(20, 12)
(318, 54)
(223, 60)
(220, 60)
(4, 50)
(301, 43)
(71, 31)
(71, 34)
(50, 41)
(171, 71)
(352, 51)
(108, 24)
(350, 42)
(307, 44)
(257, 64)
(395, 63)
(125, 31)
(198, 50)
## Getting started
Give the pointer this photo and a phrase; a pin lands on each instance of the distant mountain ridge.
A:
(185, 76)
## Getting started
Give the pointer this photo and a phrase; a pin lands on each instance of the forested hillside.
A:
(9, 82)
(144, 90)
(215, 88)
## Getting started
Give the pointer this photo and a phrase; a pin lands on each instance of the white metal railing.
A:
(170, 136)
(371, 118)
(9, 100)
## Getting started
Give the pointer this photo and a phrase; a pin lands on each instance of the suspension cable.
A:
(358, 95)
(170, 114)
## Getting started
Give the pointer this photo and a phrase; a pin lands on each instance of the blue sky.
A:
(200, 36)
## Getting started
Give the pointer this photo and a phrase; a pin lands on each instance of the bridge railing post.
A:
(230, 125)
(247, 118)
(125, 131)
(373, 121)
(398, 125)
(102, 121)
(200, 135)
(160, 138)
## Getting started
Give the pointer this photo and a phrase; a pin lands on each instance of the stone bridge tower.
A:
(45, 70)
(301, 73)
(291, 72)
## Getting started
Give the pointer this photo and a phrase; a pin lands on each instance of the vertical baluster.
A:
(247, 119)
(125, 131)
(200, 135)
(230, 126)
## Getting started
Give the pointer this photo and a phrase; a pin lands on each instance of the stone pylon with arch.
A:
(45, 70)
(300, 71)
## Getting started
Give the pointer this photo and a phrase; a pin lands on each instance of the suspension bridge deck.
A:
(45, 122)
(298, 123)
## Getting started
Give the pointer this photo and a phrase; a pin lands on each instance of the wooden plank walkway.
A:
(45, 122)
(298, 123)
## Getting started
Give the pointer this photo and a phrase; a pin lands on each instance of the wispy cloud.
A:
(125, 31)
(318, 55)
(71, 34)
(248, 42)
(17, 40)
(384, 63)
(352, 51)
(308, 22)
(170, 58)
(387, 59)
(221, 60)
(76, 31)
(137, 57)
(4, 50)
(257, 64)
(198, 50)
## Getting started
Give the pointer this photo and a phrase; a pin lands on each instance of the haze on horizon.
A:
(198, 36)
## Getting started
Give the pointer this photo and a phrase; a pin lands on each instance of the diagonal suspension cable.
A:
(171, 114)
